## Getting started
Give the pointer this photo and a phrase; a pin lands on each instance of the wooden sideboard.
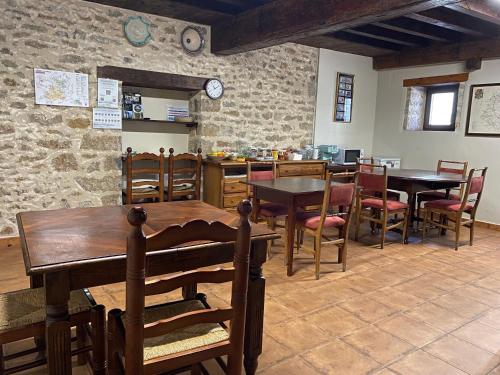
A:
(222, 186)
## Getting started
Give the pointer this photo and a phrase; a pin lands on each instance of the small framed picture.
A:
(342, 79)
(341, 92)
(348, 94)
(340, 107)
(348, 80)
(348, 86)
(339, 116)
(343, 97)
(342, 86)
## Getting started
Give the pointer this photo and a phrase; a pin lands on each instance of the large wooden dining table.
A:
(70, 249)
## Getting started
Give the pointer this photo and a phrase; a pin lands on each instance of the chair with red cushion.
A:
(338, 195)
(454, 209)
(391, 195)
(268, 211)
(372, 195)
(444, 166)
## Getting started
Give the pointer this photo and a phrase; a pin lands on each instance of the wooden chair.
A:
(454, 209)
(22, 316)
(268, 211)
(144, 176)
(159, 339)
(372, 194)
(316, 223)
(369, 160)
(444, 166)
(184, 175)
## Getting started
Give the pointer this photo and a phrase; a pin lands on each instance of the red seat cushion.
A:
(272, 209)
(379, 203)
(311, 220)
(448, 205)
(392, 195)
(435, 195)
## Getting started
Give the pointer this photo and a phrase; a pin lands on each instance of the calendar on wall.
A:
(342, 111)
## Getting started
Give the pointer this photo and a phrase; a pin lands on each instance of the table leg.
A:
(411, 204)
(290, 231)
(443, 219)
(255, 208)
(254, 325)
(58, 328)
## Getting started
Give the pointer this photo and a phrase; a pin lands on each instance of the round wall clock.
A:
(214, 88)
(193, 40)
(137, 30)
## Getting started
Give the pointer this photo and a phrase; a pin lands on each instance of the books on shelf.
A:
(173, 113)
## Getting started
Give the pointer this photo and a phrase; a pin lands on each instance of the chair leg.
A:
(384, 229)
(317, 252)
(406, 222)
(424, 227)
(343, 256)
(98, 332)
(419, 203)
(298, 239)
(471, 232)
(81, 340)
(113, 365)
(358, 214)
(457, 233)
(2, 364)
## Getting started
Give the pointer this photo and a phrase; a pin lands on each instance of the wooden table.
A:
(294, 192)
(78, 248)
(413, 181)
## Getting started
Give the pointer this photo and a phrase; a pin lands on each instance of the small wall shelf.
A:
(186, 124)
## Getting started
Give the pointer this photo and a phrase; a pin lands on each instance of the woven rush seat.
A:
(27, 306)
(183, 339)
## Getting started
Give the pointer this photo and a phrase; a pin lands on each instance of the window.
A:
(441, 107)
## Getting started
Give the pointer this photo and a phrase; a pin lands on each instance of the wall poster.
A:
(342, 107)
(483, 119)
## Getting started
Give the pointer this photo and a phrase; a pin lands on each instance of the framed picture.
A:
(343, 98)
(483, 118)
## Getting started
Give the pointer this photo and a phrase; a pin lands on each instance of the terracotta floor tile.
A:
(272, 352)
(412, 330)
(461, 305)
(420, 288)
(461, 354)
(422, 363)
(298, 335)
(378, 344)
(336, 321)
(490, 283)
(491, 318)
(339, 358)
(302, 300)
(368, 309)
(292, 366)
(480, 335)
(275, 312)
(396, 299)
(384, 371)
(437, 316)
(482, 295)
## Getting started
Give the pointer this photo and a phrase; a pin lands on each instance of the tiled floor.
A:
(414, 309)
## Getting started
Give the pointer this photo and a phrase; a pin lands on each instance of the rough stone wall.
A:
(51, 158)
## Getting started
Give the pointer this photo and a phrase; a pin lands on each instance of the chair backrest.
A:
(260, 175)
(146, 169)
(365, 163)
(453, 167)
(372, 181)
(341, 195)
(474, 189)
(184, 169)
(173, 236)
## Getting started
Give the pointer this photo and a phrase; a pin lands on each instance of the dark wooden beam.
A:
(436, 80)
(178, 9)
(486, 10)
(335, 44)
(449, 19)
(353, 36)
(424, 30)
(447, 53)
(151, 79)
(388, 35)
(287, 20)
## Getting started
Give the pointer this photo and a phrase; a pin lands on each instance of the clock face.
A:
(214, 88)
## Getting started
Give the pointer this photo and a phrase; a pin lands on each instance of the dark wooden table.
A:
(413, 181)
(294, 192)
(78, 248)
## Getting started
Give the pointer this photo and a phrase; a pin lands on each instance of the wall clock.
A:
(193, 40)
(214, 88)
(137, 30)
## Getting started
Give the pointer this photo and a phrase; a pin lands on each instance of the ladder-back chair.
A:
(163, 338)
(144, 176)
(184, 175)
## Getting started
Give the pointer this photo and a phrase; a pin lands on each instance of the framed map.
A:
(53, 87)
(483, 119)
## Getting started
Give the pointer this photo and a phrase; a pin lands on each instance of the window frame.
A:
(436, 90)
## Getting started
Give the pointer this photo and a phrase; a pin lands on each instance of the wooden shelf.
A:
(187, 124)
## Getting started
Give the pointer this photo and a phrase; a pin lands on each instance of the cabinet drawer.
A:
(232, 200)
(300, 170)
(234, 187)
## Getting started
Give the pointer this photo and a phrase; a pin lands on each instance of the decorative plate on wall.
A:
(193, 39)
(137, 30)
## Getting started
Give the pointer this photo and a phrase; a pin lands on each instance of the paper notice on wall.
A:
(107, 118)
(107, 93)
(68, 89)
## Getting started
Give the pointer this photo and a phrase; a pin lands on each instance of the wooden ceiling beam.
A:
(283, 21)
(361, 38)
(335, 44)
(424, 30)
(446, 53)
(376, 32)
(179, 9)
(486, 10)
(449, 19)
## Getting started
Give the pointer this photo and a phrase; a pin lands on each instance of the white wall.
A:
(424, 149)
(359, 132)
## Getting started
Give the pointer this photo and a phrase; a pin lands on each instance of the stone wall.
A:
(51, 158)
